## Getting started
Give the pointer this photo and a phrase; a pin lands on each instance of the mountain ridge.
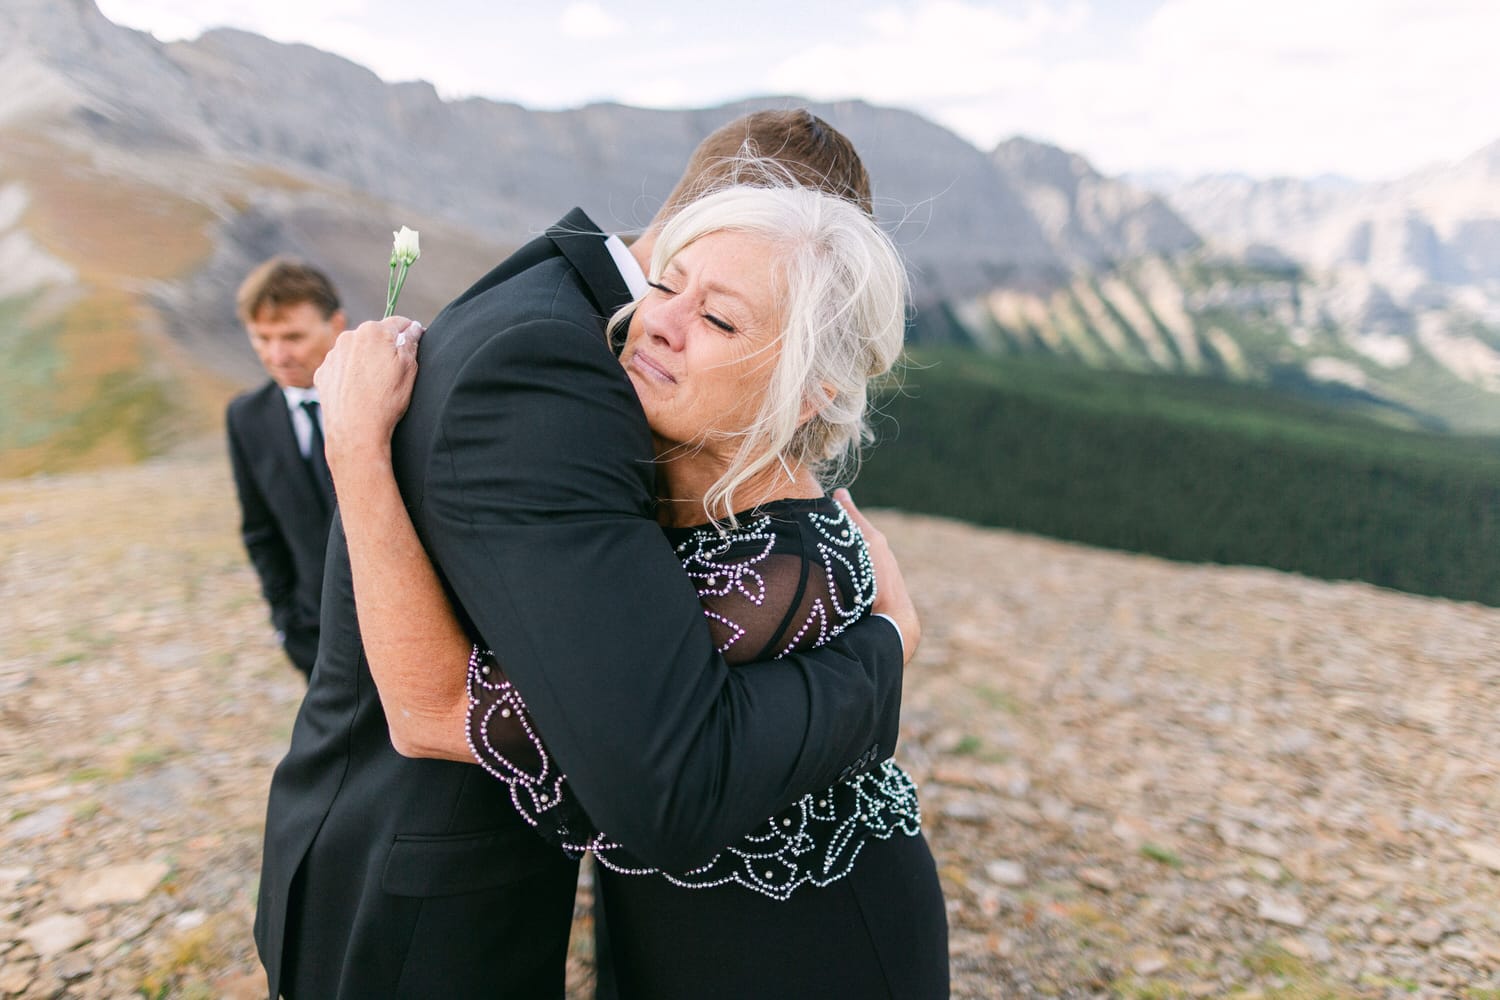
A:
(146, 178)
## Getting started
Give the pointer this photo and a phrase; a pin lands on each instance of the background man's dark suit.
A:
(527, 466)
(284, 516)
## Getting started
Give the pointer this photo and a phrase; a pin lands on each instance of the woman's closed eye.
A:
(715, 321)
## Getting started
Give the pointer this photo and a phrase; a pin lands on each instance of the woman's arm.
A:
(415, 647)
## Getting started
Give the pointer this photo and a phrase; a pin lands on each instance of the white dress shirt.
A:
(301, 422)
(629, 267)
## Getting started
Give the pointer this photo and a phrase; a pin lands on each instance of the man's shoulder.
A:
(550, 288)
(252, 399)
(524, 310)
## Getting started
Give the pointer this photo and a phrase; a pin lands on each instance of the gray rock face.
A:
(1089, 219)
(1430, 238)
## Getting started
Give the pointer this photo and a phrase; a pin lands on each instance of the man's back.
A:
(413, 877)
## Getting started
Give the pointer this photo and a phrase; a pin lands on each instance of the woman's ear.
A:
(813, 405)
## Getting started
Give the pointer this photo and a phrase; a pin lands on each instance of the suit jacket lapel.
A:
(582, 242)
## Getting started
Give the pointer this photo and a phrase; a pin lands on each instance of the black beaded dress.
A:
(835, 895)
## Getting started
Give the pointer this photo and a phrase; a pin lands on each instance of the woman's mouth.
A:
(650, 368)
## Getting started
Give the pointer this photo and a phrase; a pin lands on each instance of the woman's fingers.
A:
(891, 596)
(408, 339)
(365, 383)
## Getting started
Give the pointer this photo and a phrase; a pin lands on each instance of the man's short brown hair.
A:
(281, 282)
(813, 152)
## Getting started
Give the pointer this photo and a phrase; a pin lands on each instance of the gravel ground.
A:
(1141, 779)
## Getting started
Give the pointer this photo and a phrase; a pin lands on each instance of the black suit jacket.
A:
(284, 516)
(527, 466)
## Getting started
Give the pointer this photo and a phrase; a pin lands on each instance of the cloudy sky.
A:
(1366, 88)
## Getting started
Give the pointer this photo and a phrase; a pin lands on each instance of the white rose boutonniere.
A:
(405, 250)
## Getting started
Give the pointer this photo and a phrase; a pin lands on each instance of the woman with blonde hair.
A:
(769, 312)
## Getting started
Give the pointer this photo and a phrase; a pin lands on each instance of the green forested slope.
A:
(1191, 469)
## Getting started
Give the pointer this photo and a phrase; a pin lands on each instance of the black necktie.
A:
(316, 460)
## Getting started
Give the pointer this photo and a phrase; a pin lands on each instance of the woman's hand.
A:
(364, 386)
(891, 596)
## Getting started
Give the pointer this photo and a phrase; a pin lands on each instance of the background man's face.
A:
(291, 342)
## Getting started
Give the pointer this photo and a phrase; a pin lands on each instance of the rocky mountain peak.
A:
(1089, 219)
(1041, 162)
(60, 29)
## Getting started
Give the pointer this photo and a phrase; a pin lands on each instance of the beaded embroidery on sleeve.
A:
(783, 581)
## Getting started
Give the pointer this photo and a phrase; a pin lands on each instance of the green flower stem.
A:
(393, 287)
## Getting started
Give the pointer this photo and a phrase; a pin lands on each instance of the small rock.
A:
(1262, 843)
(74, 966)
(133, 926)
(955, 774)
(1056, 811)
(1000, 946)
(1237, 888)
(1149, 961)
(967, 809)
(11, 879)
(1359, 889)
(1130, 831)
(1318, 949)
(1099, 878)
(1386, 874)
(1481, 853)
(189, 920)
(55, 935)
(1457, 947)
(1294, 741)
(1427, 933)
(114, 885)
(1287, 912)
(1267, 869)
(46, 822)
(1383, 935)
(1007, 873)
(247, 987)
(16, 977)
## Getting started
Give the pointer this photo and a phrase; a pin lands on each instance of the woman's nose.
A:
(664, 321)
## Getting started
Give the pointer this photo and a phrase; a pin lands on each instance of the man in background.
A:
(292, 315)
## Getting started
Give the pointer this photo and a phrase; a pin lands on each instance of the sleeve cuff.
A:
(899, 636)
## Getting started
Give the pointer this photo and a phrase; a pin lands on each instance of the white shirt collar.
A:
(295, 396)
(629, 267)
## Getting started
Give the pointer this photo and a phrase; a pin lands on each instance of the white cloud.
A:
(933, 53)
(589, 20)
(1366, 87)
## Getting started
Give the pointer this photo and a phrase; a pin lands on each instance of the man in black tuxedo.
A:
(526, 464)
(292, 315)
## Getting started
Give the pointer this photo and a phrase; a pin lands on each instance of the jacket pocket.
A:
(453, 864)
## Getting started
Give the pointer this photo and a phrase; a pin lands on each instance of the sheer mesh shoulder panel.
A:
(783, 582)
